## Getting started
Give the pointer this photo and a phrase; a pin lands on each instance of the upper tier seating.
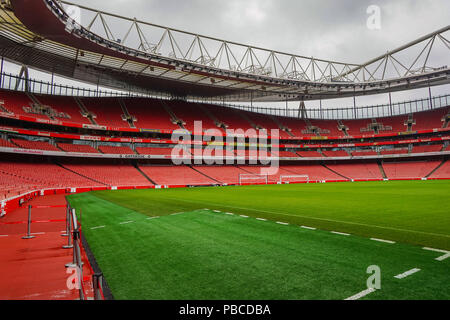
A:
(189, 113)
(66, 105)
(149, 114)
(107, 111)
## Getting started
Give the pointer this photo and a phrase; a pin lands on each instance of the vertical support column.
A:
(29, 236)
(431, 98)
(390, 104)
(1, 71)
(97, 282)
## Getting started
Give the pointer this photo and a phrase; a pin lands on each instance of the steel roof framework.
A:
(247, 73)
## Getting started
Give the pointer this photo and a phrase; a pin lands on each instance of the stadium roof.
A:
(43, 34)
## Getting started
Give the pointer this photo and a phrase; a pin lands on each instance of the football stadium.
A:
(144, 162)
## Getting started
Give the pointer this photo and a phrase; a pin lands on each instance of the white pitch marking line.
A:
(126, 222)
(309, 228)
(361, 294)
(283, 223)
(261, 219)
(229, 213)
(243, 216)
(216, 211)
(177, 213)
(340, 233)
(407, 273)
(99, 227)
(382, 240)
(441, 258)
(151, 218)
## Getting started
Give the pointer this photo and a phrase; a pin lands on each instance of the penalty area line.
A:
(407, 273)
(361, 294)
(441, 258)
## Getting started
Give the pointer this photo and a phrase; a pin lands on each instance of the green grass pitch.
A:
(148, 252)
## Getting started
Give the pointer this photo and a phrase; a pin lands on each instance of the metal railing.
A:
(14, 82)
(352, 113)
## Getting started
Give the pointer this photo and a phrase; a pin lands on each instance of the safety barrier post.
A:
(69, 244)
(97, 283)
(79, 263)
(67, 233)
(29, 236)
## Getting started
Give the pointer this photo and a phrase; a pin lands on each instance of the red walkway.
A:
(35, 269)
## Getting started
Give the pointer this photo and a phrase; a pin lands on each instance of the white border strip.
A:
(382, 240)
(407, 273)
(308, 228)
(151, 218)
(126, 222)
(243, 216)
(261, 219)
(340, 233)
(283, 223)
(361, 294)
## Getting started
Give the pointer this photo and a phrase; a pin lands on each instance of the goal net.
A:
(304, 178)
(253, 178)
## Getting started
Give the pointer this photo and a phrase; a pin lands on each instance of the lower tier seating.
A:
(409, 170)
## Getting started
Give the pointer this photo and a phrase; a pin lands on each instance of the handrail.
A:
(13, 82)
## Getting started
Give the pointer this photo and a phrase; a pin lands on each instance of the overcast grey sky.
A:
(328, 29)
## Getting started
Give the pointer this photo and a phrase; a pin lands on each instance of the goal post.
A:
(302, 178)
(253, 178)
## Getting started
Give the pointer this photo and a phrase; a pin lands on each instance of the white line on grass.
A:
(261, 219)
(309, 228)
(340, 233)
(216, 211)
(361, 294)
(229, 213)
(315, 218)
(126, 222)
(151, 218)
(99, 227)
(407, 273)
(243, 216)
(283, 223)
(382, 240)
(177, 213)
(441, 258)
